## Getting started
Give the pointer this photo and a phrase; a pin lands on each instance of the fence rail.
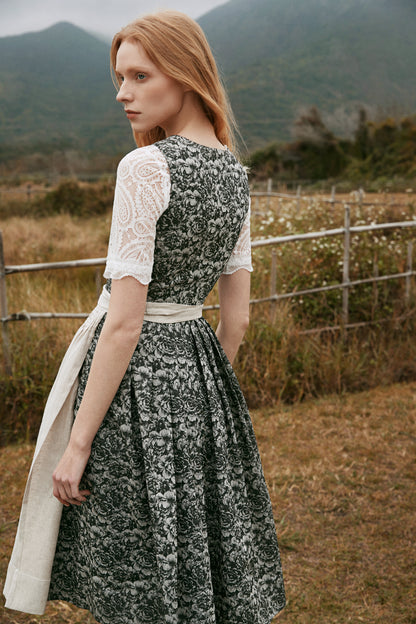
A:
(269, 193)
(46, 266)
(274, 297)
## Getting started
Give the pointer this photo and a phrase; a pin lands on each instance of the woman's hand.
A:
(68, 474)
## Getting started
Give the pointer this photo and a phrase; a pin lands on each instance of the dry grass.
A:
(59, 237)
(342, 477)
(276, 360)
(38, 346)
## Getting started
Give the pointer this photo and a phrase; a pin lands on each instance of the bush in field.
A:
(316, 153)
(77, 200)
(267, 162)
(67, 197)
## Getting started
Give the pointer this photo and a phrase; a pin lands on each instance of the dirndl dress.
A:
(179, 526)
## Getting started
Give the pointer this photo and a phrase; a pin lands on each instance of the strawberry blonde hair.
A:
(176, 44)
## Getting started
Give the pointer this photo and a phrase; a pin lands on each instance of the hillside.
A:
(281, 56)
(56, 90)
(278, 58)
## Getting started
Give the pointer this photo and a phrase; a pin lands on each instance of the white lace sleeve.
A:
(141, 196)
(241, 256)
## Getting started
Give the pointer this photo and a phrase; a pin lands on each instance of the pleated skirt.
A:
(179, 526)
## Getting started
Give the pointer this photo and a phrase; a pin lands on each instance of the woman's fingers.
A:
(85, 493)
(61, 500)
(81, 498)
(69, 495)
(68, 491)
(65, 500)
(68, 474)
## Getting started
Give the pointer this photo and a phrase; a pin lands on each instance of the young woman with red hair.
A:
(147, 442)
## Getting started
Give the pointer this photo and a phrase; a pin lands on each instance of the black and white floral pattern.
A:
(179, 527)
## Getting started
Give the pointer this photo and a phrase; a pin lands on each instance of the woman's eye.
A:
(141, 76)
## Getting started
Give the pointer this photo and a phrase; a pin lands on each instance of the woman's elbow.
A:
(245, 322)
(239, 324)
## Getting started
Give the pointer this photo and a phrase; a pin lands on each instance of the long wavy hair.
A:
(177, 45)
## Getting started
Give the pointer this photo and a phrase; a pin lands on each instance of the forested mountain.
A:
(56, 91)
(278, 57)
(281, 56)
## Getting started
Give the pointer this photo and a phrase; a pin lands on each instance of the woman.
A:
(167, 518)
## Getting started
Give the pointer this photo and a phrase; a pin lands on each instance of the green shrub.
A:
(77, 200)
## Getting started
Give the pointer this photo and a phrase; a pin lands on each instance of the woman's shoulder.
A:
(143, 161)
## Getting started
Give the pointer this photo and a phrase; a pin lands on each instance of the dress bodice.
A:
(181, 219)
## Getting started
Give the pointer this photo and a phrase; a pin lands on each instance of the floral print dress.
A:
(179, 526)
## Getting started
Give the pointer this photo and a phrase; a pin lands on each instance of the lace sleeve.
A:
(241, 256)
(141, 196)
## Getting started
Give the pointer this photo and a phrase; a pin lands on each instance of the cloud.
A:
(101, 16)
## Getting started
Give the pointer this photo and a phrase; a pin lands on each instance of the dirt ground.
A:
(342, 477)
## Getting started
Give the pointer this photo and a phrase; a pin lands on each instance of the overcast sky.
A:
(100, 16)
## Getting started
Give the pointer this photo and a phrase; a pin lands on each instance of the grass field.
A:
(341, 472)
(277, 361)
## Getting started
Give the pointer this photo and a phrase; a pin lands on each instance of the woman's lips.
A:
(131, 114)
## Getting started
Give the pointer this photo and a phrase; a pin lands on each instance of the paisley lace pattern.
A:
(141, 196)
(179, 527)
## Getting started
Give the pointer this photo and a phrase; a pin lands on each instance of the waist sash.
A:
(158, 312)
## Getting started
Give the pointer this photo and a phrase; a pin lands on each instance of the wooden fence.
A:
(332, 200)
(273, 298)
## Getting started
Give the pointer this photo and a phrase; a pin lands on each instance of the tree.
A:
(310, 128)
(362, 145)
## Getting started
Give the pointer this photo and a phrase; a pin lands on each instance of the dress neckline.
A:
(224, 148)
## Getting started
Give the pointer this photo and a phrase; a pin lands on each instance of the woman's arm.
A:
(234, 295)
(115, 347)
(139, 201)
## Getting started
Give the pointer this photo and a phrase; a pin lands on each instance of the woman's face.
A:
(150, 98)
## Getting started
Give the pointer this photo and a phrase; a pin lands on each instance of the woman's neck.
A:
(193, 123)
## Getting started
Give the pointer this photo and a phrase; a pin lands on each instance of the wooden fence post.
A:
(4, 313)
(375, 286)
(360, 202)
(333, 196)
(346, 265)
(409, 270)
(256, 207)
(273, 276)
(269, 190)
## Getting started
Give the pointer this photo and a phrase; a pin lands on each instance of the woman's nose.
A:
(123, 94)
